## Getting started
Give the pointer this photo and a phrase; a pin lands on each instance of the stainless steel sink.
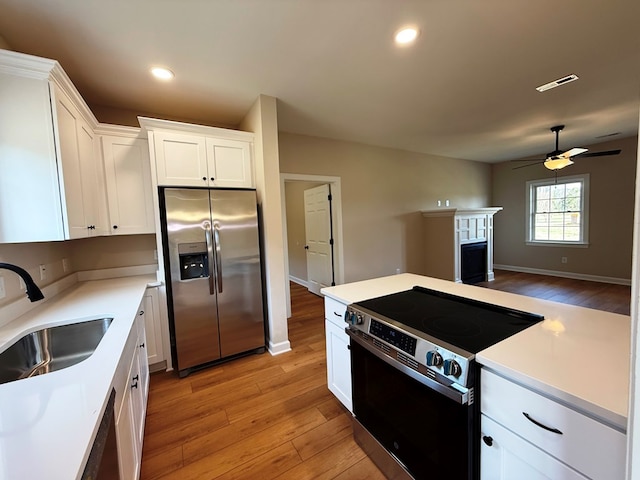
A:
(51, 349)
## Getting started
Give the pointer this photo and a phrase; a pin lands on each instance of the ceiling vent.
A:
(557, 83)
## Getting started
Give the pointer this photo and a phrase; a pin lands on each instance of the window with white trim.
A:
(558, 210)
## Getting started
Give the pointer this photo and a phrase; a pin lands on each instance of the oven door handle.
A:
(463, 398)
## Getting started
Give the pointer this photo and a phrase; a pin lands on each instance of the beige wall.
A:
(296, 235)
(383, 191)
(112, 252)
(611, 201)
(262, 120)
(29, 256)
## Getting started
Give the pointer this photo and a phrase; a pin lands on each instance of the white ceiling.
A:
(466, 89)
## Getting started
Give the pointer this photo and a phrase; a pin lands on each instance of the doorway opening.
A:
(325, 265)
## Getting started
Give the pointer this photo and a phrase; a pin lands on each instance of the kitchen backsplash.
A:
(64, 258)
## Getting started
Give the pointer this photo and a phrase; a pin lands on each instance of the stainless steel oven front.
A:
(409, 424)
(416, 382)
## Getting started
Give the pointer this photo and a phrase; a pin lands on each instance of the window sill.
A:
(558, 244)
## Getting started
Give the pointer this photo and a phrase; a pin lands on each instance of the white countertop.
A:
(578, 356)
(48, 422)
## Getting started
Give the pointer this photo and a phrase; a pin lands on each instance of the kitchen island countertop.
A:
(48, 422)
(577, 356)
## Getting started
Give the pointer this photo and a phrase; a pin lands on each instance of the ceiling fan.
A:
(559, 159)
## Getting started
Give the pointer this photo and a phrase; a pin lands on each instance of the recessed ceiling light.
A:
(557, 83)
(406, 35)
(162, 73)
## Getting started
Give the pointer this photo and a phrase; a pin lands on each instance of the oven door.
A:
(430, 435)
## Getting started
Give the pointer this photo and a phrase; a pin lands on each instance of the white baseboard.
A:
(299, 281)
(278, 348)
(555, 273)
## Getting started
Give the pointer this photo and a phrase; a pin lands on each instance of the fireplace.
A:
(447, 232)
(473, 262)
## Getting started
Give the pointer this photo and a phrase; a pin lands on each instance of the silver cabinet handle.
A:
(541, 425)
(216, 238)
(207, 234)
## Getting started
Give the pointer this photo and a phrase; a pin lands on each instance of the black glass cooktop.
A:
(468, 324)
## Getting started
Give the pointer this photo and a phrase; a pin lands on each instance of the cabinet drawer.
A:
(334, 311)
(587, 445)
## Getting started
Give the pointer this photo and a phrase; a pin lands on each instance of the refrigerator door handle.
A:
(207, 234)
(216, 238)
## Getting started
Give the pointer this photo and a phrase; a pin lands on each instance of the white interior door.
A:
(317, 217)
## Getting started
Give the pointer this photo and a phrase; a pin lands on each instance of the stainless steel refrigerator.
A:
(214, 278)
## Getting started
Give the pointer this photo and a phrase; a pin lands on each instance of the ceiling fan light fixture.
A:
(557, 83)
(406, 35)
(557, 163)
(162, 73)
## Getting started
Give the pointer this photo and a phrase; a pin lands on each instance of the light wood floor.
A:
(264, 417)
(600, 296)
(259, 417)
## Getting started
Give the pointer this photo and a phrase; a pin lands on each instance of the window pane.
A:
(541, 233)
(556, 211)
(543, 192)
(572, 234)
(573, 204)
(557, 205)
(557, 191)
(542, 206)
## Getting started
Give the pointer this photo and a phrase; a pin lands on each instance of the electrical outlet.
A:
(43, 272)
(65, 265)
(446, 202)
(563, 259)
(3, 292)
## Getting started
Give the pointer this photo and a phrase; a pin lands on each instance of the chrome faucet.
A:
(33, 292)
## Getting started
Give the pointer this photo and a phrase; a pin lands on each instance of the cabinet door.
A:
(29, 180)
(506, 456)
(229, 163)
(181, 160)
(129, 452)
(155, 353)
(339, 364)
(128, 178)
(68, 122)
(93, 186)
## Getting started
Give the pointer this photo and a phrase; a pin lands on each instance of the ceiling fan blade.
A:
(599, 154)
(529, 164)
(574, 151)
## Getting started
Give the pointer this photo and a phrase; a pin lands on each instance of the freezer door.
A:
(188, 224)
(238, 273)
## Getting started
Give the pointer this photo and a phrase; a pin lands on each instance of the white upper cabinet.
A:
(82, 183)
(229, 163)
(128, 179)
(188, 155)
(181, 160)
(49, 172)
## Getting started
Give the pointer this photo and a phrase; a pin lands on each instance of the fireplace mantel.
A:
(447, 229)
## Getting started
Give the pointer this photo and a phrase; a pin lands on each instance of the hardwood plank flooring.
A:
(264, 417)
(257, 417)
(599, 296)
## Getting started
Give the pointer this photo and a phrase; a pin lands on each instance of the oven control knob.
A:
(434, 359)
(355, 319)
(451, 367)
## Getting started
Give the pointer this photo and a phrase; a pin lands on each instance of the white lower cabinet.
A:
(526, 435)
(506, 456)
(338, 355)
(154, 344)
(131, 400)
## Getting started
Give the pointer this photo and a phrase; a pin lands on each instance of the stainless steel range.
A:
(415, 379)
